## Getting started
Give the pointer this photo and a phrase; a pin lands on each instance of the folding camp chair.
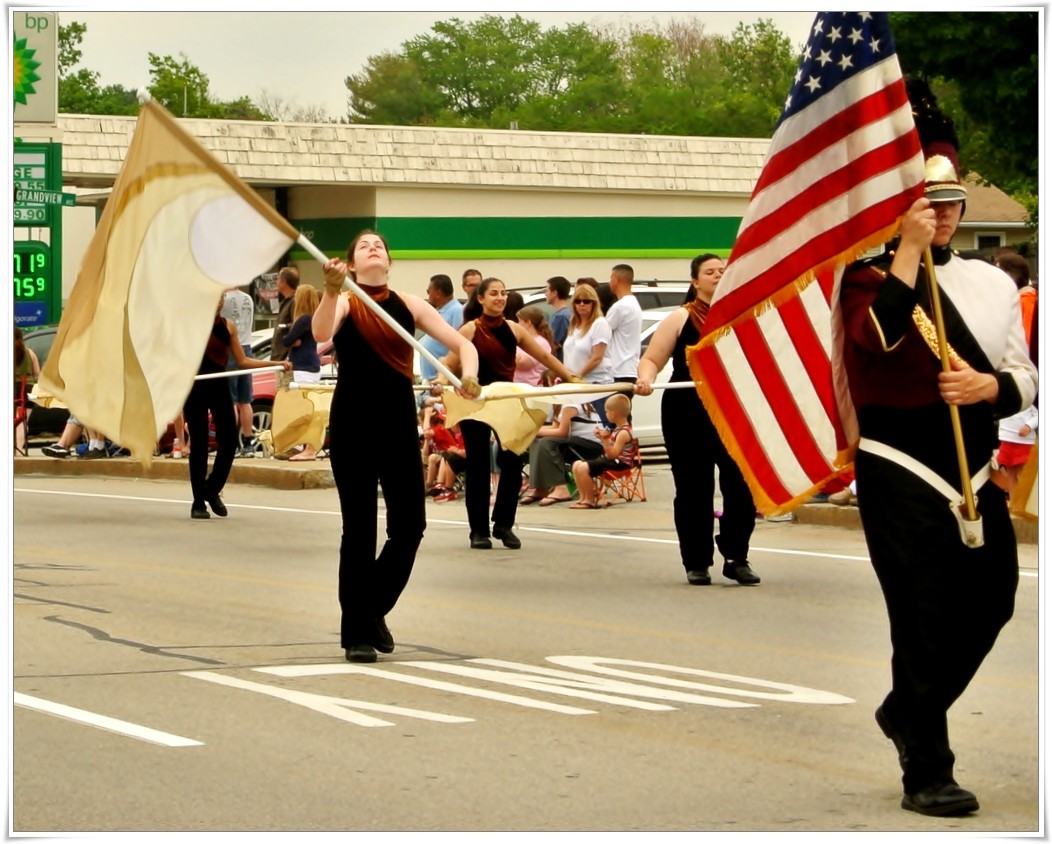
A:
(622, 484)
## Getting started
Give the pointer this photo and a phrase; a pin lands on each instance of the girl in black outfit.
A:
(496, 341)
(213, 395)
(693, 445)
(377, 368)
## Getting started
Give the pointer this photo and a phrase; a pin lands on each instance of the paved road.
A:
(186, 676)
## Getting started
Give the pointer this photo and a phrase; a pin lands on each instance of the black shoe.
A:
(891, 733)
(55, 451)
(360, 653)
(383, 640)
(199, 511)
(94, 454)
(741, 571)
(943, 800)
(505, 535)
(699, 577)
(480, 540)
(217, 505)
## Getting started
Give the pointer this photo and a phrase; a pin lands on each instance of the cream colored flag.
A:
(178, 230)
(514, 420)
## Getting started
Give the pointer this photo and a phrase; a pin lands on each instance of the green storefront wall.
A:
(446, 238)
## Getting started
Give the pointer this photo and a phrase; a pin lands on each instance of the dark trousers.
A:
(946, 602)
(210, 395)
(370, 583)
(695, 451)
(476, 480)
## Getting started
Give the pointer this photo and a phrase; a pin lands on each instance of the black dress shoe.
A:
(480, 540)
(699, 577)
(505, 535)
(943, 800)
(360, 653)
(217, 505)
(893, 734)
(383, 640)
(199, 511)
(741, 571)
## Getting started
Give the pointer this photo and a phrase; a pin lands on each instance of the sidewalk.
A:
(285, 474)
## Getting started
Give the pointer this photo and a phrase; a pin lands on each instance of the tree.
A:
(983, 67)
(79, 91)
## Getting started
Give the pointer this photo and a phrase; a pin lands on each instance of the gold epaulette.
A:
(927, 330)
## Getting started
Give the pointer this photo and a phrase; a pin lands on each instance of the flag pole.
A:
(568, 389)
(955, 413)
(349, 284)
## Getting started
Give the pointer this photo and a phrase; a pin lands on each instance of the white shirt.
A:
(239, 309)
(578, 349)
(626, 323)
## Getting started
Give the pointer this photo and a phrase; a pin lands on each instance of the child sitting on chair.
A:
(446, 460)
(618, 452)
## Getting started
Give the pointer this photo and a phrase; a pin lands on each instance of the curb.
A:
(847, 517)
(277, 474)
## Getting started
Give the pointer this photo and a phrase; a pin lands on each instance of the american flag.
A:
(844, 165)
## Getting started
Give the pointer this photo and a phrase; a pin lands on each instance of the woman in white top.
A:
(585, 351)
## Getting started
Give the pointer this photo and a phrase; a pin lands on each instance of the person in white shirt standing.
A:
(239, 308)
(626, 324)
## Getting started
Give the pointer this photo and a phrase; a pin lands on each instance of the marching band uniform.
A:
(946, 600)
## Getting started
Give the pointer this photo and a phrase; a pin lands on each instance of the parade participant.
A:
(694, 447)
(946, 600)
(212, 395)
(376, 379)
(496, 340)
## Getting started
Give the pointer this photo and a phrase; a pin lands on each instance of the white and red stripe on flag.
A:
(844, 164)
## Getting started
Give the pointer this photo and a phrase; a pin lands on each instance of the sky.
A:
(303, 57)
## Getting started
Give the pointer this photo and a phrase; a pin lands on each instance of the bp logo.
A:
(25, 70)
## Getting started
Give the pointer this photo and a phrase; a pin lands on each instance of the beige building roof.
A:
(325, 154)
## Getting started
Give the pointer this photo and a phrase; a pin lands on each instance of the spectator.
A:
(585, 350)
(67, 440)
(211, 395)
(557, 294)
(470, 280)
(288, 281)
(606, 297)
(239, 308)
(26, 365)
(529, 370)
(376, 358)
(626, 324)
(572, 436)
(303, 351)
(447, 459)
(496, 340)
(695, 450)
(1017, 434)
(513, 305)
(1019, 269)
(440, 297)
(618, 452)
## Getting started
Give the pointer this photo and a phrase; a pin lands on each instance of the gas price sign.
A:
(34, 291)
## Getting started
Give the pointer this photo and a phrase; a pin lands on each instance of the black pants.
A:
(212, 395)
(476, 480)
(695, 451)
(946, 602)
(370, 583)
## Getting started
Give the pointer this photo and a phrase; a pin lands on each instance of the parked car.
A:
(649, 294)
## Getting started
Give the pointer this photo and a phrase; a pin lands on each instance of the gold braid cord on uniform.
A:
(927, 330)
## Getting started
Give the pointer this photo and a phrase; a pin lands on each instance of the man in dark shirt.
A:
(288, 281)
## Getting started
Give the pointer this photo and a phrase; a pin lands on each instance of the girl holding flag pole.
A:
(376, 355)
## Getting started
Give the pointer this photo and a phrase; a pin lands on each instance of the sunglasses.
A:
(583, 302)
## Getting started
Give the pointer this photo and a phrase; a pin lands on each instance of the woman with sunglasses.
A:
(585, 349)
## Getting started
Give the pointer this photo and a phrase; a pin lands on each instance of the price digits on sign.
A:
(30, 275)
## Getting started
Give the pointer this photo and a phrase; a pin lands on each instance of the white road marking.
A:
(459, 523)
(104, 722)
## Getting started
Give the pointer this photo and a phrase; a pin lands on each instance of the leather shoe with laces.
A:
(360, 653)
(741, 571)
(217, 505)
(384, 641)
(699, 577)
(480, 540)
(199, 511)
(505, 535)
(943, 800)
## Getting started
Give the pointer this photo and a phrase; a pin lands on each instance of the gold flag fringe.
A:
(844, 458)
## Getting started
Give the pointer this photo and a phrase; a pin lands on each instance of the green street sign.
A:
(44, 197)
